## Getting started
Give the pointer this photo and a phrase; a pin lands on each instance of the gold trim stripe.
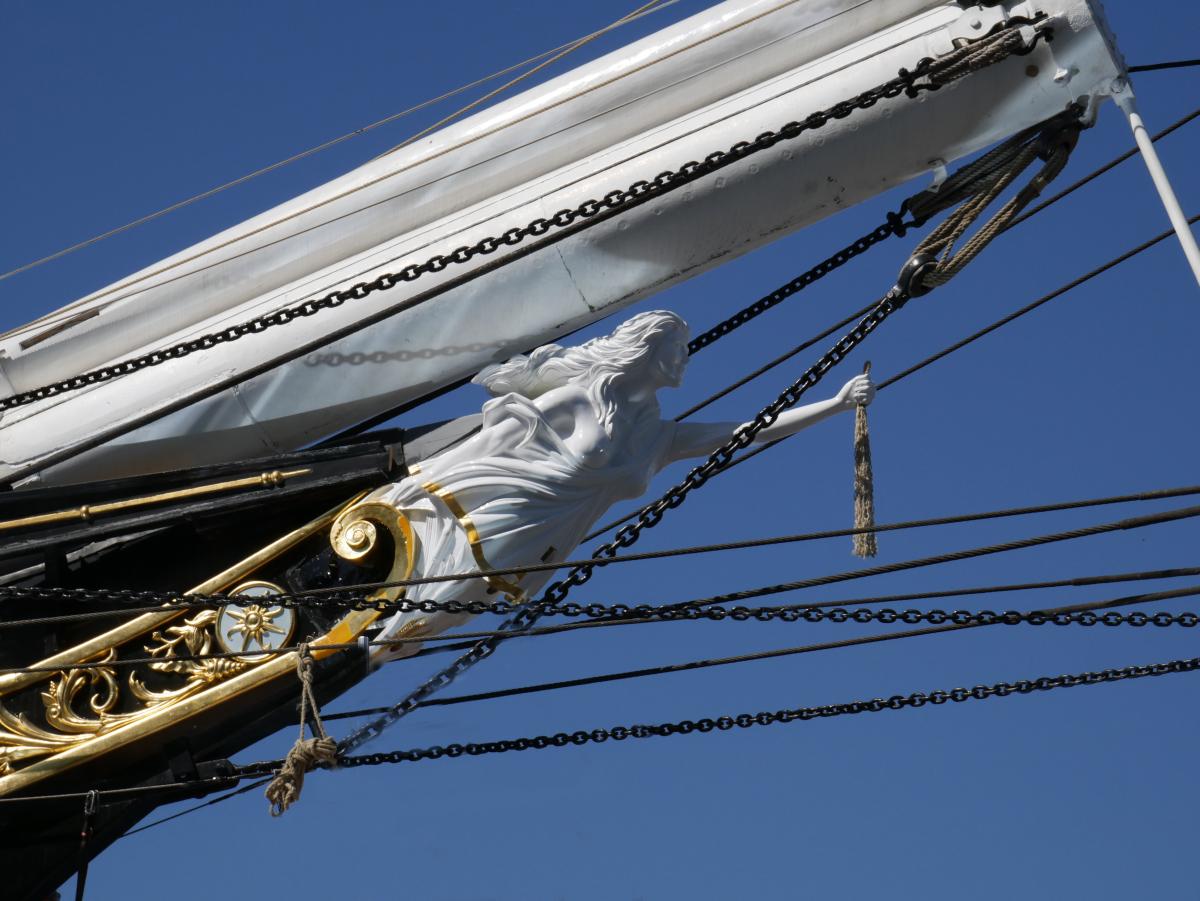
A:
(281, 666)
(87, 512)
(146, 622)
(446, 496)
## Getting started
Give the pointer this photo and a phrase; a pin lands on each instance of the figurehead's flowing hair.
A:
(597, 365)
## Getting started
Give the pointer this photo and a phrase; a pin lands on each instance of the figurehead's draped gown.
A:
(512, 494)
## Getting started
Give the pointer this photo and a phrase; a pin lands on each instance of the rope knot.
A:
(307, 753)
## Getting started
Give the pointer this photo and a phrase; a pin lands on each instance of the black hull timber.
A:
(171, 545)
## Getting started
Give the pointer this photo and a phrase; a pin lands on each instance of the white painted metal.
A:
(1123, 94)
(704, 84)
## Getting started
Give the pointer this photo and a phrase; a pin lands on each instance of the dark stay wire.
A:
(746, 720)
(333, 142)
(904, 565)
(1040, 207)
(913, 596)
(340, 596)
(958, 345)
(458, 699)
(1155, 67)
(683, 727)
(196, 807)
(1043, 300)
(787, 355)
(857, 641)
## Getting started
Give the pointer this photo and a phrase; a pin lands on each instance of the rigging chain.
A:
(746, 720)
(355, 597)
(928, 75)
(982, 179)
(681, 727)
(625, 615)
(1055, 145)
(363, 602)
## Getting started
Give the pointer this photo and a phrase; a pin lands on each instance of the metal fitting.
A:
(908, 282)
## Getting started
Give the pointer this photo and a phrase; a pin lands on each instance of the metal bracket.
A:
(975, 22)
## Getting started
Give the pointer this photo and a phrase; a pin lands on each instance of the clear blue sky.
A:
(112, 111)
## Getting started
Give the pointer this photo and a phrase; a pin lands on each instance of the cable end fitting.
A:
(909, 281)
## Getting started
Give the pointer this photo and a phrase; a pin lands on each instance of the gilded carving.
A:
(81, 703)
(90, 710)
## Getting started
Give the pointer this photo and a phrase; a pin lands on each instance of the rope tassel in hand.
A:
(865, 544)
(307, 753)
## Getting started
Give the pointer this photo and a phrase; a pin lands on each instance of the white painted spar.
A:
(723, 76)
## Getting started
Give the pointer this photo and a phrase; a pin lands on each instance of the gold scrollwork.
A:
(89, 711)
(354, 536)
(98, 690)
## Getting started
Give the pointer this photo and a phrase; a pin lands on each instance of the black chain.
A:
(692, 611)
(895, 225)
(928, 75)
(747, 720)
(650, 516)
(625, 614)
(969, 58)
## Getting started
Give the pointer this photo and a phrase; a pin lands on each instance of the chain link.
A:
(666, 613)
(895, 225)
(527, 614)
(1004, 43)
(748, 720)
(928, 75)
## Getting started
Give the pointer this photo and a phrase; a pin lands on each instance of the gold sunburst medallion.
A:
(258, 626)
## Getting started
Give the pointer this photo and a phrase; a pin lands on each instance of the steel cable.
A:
(542, 60)
(684, 610)
(928, 75)
(682, 727)
(355, 596)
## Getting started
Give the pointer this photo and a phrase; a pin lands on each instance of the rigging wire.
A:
(137, 279)
(1058, 583)
(341, 596)
(1017, 221)
(913, 596)
(958, 345)
(1107, 167)
(451, 700)
(542, 60)
(772, 654)
(928, 75)
(683, 727)
(745, 594)
(197, 807)
(1028, 308)
(1154, 67)
(652, 6)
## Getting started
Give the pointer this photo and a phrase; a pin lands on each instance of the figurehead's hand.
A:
(859, 391)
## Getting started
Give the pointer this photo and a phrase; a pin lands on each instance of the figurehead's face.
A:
(670, 357)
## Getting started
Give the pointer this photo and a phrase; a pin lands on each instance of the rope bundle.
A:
(307, 753)
(865, 544)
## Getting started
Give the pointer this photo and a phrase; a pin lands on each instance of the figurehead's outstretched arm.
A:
(699, 439)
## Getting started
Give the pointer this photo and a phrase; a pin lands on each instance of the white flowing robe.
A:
(515, 493)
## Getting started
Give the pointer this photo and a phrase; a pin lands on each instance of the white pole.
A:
(1123, 94)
